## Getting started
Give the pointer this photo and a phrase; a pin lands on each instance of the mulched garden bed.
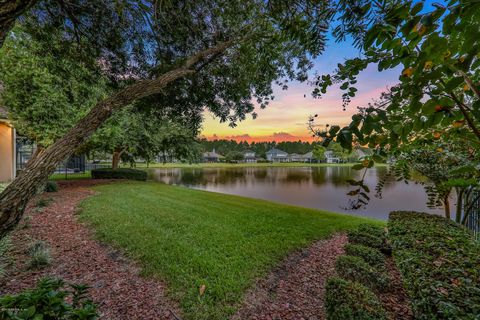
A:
(295, 289)
(116, 285)
(396, 302)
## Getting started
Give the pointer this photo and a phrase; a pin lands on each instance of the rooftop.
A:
(276, 151)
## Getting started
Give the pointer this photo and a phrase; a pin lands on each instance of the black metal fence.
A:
(472, 208)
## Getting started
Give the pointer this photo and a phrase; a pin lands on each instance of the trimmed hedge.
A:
(356, 269)
(122, 173)
(440, 265)
(372, 256)
(350, 300)
(370, 236)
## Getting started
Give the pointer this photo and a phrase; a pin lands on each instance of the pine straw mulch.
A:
(116, 285)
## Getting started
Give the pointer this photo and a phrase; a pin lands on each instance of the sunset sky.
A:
(286, 117)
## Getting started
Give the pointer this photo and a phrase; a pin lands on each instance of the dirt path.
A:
(295, 289)
(116, 286)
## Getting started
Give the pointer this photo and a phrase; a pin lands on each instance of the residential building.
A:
(212, 156)
(308, 157)
(16, 151)
(249, 156)
(295, 157)
(7, 148)
(276, 155)
(331, 158)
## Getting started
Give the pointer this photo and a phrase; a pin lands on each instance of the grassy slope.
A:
(190, 237)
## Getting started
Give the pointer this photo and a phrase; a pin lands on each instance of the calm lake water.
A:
(313, 187)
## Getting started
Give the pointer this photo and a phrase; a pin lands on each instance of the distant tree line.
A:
(225, 147)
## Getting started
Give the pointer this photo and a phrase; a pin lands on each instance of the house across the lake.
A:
(295, 157)
(308, 157)
(212, 156)
(276, 155)
(331, 158)
(249, 156)
(7, 148)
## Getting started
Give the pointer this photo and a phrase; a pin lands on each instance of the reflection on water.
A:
(313, 187)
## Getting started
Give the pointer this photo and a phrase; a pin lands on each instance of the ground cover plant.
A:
(356, 269)
(49, 300)
(351, 300)
(370, 236)
(193, 238)
(371, 256)
(439, 262)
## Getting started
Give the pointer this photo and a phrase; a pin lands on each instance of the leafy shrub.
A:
(42, 203)
(440, 265)
(372, 256)
(351, 300)
(49, 300)
(122, 173)
(39, 254)
(356, 269)
(370, 236)
(51, 186)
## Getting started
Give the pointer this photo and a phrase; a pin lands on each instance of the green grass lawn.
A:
(189, 238)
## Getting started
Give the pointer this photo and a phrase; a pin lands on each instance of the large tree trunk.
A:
(116, 157)
(15, 197)
(10, 10)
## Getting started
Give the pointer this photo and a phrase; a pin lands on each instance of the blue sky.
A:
(285, 118)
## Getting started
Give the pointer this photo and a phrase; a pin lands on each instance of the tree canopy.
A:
(219, 55)
(438, 93)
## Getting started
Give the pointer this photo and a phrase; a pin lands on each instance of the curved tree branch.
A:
(15, 197)
(10, 10)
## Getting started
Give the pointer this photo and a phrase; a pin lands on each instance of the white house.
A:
(295, 157)
(331, 158)
(276, 155)
(308, 157)
(249, 156)
(7, 148)
(212, 156)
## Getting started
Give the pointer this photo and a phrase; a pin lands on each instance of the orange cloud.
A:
(276, 136)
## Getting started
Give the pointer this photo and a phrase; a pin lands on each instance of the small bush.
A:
(356, 269)
(51, 186)
(42, 203)
(350, 300)
(372, 256)
(49, 300)
(370, 236)
(122, 173)
(440, 265)
(39, 254)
